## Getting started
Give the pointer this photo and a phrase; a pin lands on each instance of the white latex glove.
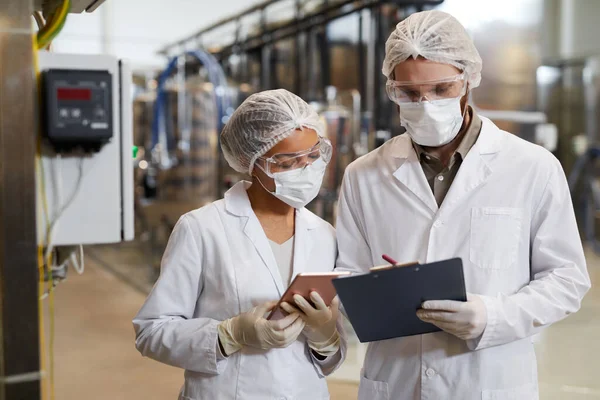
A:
(252, 329)
(321, 322)
(465, 320)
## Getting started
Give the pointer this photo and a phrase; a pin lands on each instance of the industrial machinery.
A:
(178, 121)
(327, 52)
(569, 91)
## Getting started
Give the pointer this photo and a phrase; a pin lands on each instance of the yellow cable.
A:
(54, 24)
(41, 319)
(51, 312)
(42, 40)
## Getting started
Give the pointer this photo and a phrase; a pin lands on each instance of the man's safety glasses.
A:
(414, 92)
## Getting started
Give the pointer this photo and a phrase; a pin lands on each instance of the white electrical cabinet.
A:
(89, 195)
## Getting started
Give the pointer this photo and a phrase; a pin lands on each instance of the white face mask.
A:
(432, 123)
(299, 187)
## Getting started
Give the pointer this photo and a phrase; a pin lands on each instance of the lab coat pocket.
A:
(527, 392)
(372, 390)
(495, 235)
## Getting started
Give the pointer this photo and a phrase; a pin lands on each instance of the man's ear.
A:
(465, 100)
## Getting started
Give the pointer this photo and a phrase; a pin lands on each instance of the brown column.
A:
(19, 335)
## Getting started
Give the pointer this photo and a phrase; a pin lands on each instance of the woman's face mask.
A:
(299, 187)
(298, 177)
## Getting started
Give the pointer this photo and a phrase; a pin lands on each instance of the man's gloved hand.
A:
(465, 320)
(252, 329)
(321, 322)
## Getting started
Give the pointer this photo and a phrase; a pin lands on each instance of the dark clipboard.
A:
(383, 304)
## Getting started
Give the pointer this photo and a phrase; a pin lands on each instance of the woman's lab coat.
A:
(218, 264)
(509, 216)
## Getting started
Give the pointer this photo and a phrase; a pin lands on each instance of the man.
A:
(457, 186)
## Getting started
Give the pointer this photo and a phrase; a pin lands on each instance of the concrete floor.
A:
(96, 359)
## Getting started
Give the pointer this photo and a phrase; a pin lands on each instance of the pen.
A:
(389, 259)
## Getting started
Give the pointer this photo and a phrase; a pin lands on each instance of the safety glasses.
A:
(289, 162)
(413, 92)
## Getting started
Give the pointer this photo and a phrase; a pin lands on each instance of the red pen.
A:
(389, 259)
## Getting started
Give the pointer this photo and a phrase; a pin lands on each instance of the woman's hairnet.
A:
(436, 36)
(262, 121)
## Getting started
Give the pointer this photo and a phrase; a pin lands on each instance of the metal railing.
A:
(328, 11)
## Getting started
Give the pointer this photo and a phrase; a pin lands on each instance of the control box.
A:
(78, 108)
(89, 195)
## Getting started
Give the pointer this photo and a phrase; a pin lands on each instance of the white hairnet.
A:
(262, 121)
(436, 36)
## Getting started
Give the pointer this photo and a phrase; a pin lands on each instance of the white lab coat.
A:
(509, 216)
(218, 264)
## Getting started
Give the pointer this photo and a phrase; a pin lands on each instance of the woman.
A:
(228, 263)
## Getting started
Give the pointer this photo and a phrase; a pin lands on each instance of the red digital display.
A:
(74, 94)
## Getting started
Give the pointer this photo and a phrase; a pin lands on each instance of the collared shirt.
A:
(440, 177)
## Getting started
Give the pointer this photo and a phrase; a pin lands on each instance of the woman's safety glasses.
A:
(414, 92)
(289, 162)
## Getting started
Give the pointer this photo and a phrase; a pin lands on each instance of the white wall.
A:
(136, 29)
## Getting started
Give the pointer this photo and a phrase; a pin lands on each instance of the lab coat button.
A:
(437, 224)
(430, 373)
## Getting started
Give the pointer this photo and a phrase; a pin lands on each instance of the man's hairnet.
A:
(436, 36)
(262, 121)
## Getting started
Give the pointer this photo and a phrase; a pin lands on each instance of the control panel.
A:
(78, 108)
(89, 196)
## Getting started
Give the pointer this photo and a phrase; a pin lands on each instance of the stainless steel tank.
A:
(193, 143)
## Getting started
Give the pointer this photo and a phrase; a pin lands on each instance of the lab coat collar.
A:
(410, 173)
(237, 201)
(305, 222)
(306, 219)
(489, 141)
(238, 204)
(473, 172)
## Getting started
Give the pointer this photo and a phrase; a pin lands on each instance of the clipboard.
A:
(383, 304)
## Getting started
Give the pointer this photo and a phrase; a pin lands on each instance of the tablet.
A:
(383, 304)
(305, 283)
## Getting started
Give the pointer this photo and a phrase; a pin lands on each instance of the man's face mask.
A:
(430, 111)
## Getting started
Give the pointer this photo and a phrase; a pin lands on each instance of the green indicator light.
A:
(135, 151)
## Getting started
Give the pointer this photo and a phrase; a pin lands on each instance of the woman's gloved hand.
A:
(321, 322)
(252, 329)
